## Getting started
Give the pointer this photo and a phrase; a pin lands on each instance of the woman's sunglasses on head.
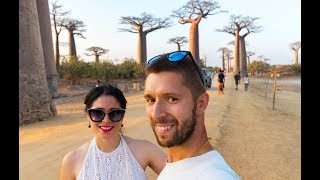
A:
(175, 56)
(97, 115)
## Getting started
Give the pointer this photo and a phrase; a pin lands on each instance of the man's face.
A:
(169, 108)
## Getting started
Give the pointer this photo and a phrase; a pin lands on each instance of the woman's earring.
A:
(121, 125)
(89, 126)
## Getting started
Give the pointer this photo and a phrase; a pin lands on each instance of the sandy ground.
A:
(257, 140)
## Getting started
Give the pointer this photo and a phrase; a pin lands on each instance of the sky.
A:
(280, 21)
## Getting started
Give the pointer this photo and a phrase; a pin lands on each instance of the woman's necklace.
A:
(204, 145)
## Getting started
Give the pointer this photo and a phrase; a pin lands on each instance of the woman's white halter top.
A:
(116, 165)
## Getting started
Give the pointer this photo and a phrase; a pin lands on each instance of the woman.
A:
(221, 77)
(110, 154)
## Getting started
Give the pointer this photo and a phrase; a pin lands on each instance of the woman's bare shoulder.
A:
(76, 154)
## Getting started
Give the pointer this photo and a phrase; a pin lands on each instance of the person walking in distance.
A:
(110, 154)
(221, 80)
(236, 80)
(212, 74)
(246, 82)
(98, 83)
(176, 100)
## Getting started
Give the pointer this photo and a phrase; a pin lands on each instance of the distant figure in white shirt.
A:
(246, 82)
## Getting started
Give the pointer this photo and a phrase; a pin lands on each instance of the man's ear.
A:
(203, 101)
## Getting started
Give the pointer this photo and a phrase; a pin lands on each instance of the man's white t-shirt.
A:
(210, 165)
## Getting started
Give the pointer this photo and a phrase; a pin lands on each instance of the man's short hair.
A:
(186, 68)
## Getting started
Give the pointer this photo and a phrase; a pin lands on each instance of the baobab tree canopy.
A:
(97, 52)
(179, 40)
(242, 23)
(74, 27)
(237, 23)
(146, 23)
(192, 12)
(143, 25)
(295, 47)
(195, 10)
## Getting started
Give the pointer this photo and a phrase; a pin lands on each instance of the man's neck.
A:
(191, 146)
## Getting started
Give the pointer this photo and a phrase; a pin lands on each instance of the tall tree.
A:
(260, 57)
(96, 52)
(58, 18)
(223, 67)
(74, 27)
(228, 58)
(47, 46)
(179, 41)
(192, 12)
(295, 47)
(237, 23)
(249, 54)
(35, 102)
(143, 25)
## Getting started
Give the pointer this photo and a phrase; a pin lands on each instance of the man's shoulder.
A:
(219, 173)
(218, 168)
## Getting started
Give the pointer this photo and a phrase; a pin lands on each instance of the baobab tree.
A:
(237, 23)
(249, 54)
(96, 52)
(35, 101)
(74, 27)
(227, 53)
(265, 60)
(47, 46)
(192, 12)
(179, 41)
(260, 57)
(295, 47)
(223, 67)
(58, 18)
(142, 26)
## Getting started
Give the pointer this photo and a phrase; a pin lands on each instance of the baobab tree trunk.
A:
(142, 48)
(178, 46)
(72, 45)
(228, 66)
(35, 102)
(295, 57)
(243, 57)
(236, 52)
(47, 46)
(194, 41)
(57, 53)
(223, 63)
(96, 59)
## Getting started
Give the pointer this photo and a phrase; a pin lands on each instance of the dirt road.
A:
(257, 141)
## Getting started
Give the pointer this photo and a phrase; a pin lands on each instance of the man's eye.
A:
(150, 100)
(172, 99)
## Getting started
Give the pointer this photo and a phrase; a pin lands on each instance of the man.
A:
(237, 79)
(176, 100)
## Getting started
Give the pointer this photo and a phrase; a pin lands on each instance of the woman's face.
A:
(106, 128)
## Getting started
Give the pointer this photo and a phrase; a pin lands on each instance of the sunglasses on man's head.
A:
(175, 56)
(97, 115)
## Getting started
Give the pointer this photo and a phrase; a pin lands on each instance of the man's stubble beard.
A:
(182, 133)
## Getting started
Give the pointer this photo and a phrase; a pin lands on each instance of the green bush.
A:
(76, 69)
